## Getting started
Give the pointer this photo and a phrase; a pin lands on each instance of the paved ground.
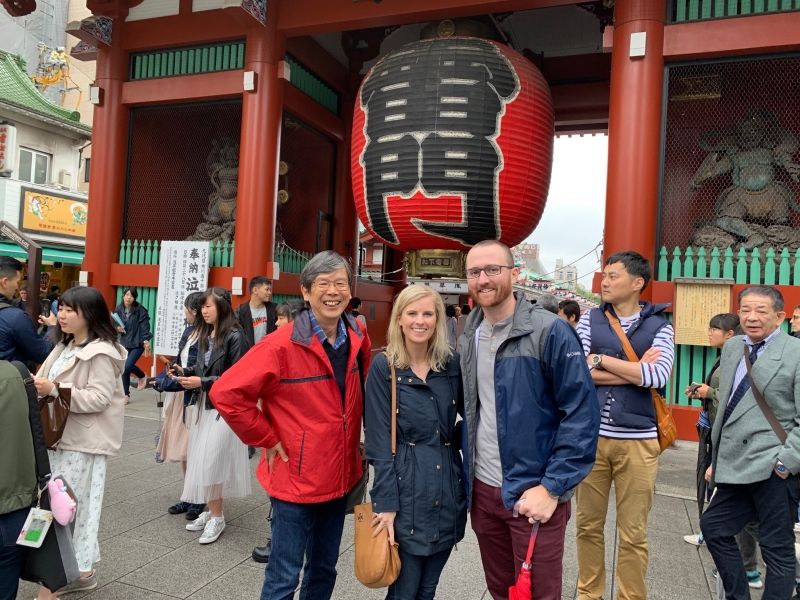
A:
(148, 554)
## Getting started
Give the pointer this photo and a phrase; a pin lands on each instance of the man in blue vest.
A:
(18, 338)
(627, 450)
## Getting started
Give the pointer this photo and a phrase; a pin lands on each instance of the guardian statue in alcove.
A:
(755, 209)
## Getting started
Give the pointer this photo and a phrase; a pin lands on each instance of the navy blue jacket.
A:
(18, 337)
(137, 326)
(633, 404)
(423, 483)
(547, 415)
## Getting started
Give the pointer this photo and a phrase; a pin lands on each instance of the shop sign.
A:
(183, 269)
(52, 214)
(8, 148)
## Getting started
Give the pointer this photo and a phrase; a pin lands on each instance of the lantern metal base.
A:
(436, 263)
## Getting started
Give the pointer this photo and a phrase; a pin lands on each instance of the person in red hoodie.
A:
(309, 375)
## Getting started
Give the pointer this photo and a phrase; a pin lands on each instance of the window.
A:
(377, 253)
(86, 165)
(34, 166)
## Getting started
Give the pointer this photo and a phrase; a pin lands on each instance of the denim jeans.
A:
(419, 576)
(130, 367)
(773, 503)
(11, 555)
(310, 531)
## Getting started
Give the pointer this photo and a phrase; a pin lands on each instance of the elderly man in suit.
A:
(752, 469)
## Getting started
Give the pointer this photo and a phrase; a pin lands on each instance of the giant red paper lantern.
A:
(452, 144)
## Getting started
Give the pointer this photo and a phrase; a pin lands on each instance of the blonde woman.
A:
(417, 494)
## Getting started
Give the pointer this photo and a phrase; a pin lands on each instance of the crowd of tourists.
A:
(516, 413)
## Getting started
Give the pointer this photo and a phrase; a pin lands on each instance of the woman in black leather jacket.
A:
(217, 462)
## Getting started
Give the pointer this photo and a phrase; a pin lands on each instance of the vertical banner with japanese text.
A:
(183, 269)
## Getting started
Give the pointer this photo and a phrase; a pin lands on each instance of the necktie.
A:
(743, 386)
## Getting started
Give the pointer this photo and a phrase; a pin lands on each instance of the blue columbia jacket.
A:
(547, 414)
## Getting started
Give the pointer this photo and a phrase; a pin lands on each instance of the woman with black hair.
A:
(173, 441)
(134, 336)
(217, 461)
(86, 366)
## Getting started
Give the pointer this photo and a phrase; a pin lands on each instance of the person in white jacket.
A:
(86, 365)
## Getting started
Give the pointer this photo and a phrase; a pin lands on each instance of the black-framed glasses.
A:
(490, 270)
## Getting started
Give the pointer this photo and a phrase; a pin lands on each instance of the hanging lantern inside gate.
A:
(452, 144)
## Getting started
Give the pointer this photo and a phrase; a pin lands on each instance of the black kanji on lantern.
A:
(433, 111)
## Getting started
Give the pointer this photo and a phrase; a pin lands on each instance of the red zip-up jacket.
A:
(302, 408)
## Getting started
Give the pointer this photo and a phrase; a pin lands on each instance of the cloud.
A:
(572, 223)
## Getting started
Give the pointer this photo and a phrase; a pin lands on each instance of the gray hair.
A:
(324, 262)
(770, 292)
(548, 302)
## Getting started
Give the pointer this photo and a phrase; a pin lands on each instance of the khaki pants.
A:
(632, 465)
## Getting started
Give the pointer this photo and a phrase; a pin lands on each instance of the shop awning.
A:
(73, 257)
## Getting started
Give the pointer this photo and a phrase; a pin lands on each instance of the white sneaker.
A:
(797, 527)
(200, 522)
(695, 539)
(213, 529)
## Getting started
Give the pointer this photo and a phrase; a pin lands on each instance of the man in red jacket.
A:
(310, 377)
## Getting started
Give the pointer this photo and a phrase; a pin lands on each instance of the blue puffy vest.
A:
(633, 404)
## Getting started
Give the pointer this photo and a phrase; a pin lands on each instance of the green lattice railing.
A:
(770, 267)
(173, 62)
(696, 10)
(146, 252)
(756, 266)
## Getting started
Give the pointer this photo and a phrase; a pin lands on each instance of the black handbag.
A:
(53, 565)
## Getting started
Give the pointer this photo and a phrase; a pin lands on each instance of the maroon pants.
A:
(503, 541)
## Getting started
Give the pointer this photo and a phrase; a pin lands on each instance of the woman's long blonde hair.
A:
(438, 349)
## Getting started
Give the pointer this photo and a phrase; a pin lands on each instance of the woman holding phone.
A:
(217, 461)
(85, 365)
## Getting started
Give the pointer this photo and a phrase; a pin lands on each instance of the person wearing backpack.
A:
(17, 475)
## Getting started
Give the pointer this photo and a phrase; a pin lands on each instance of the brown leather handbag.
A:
(665, 424)
(53, 412)
(377, 563)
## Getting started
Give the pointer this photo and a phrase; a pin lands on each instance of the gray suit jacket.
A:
(746, 449)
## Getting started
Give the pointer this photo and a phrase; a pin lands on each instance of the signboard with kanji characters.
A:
(183, 269)
(53, 214)
(452, 144)
(8, 147)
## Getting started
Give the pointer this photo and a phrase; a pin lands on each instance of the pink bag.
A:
(62, 504)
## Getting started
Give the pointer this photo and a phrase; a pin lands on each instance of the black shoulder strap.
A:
(762, 402)
(39, 446)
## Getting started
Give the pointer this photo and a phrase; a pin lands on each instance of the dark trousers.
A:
(130, 367)
(419, 576)
(503, 542)
(773, 503)
(310, 531)
(11, 555)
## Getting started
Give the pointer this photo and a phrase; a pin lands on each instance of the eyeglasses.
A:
(340, 284)
(490, 270)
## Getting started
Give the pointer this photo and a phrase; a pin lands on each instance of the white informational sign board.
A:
(183, 269)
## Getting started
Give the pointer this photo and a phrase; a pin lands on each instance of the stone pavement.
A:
(148, 554)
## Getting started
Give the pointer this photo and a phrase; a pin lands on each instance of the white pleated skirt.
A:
(217, 462)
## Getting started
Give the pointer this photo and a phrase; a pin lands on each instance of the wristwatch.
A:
(780, 468)
(597, 361)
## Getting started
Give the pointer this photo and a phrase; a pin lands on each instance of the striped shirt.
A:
(654, 375)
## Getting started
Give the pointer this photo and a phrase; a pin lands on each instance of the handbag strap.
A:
(630, 353)
(39, 446)
(762, 402)
(394, 409)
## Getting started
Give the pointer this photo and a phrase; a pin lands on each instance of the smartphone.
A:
(693, 387)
